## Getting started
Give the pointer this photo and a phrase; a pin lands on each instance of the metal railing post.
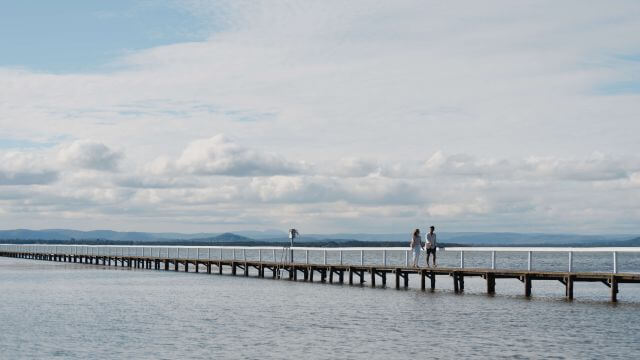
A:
(493, 260)
(461, 259)
(570, 261)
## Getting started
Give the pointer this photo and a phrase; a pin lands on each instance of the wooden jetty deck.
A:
(374, 275)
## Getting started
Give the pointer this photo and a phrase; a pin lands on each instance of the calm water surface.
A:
(73, 311)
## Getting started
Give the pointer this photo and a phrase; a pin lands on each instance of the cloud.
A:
(87, 154)
(595, 167)
(353, 167)
(220, 156)
(464, 165)
(19, 168)
(485, 116)
(369, 191)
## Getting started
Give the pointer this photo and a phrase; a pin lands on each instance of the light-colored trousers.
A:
(416, 255)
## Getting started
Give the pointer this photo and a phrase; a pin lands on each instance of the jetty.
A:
(277, 263)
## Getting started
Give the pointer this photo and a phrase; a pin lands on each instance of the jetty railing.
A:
(531, 250)
(393, 261)
(259, 253)
(304, 255)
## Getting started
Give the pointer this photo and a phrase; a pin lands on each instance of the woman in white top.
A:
(416, 245)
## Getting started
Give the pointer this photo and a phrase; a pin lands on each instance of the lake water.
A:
(74, 311)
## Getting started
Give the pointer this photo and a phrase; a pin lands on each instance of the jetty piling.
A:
(140, 257)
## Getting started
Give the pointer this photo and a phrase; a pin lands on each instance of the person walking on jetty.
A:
(431, 245)
(416, 245)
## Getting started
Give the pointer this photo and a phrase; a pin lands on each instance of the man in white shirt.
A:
(431, 245)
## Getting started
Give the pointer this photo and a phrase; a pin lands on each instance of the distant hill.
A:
(476, 238)
(276, 237)
(629, 243)
(66, 234)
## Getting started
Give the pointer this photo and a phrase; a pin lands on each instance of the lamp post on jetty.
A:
(293, 233)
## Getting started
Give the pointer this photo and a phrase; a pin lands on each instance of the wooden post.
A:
(197, 266)
(361, 277)
(246, 269)
(384, 279)
(311, 271)
(423, 276)
(569, 287)
(373, 277)
(330, 275)
(350, 277)
(527, 286)
(461, 281)
(433, 280)
(614, 289)
(233, 268)
(341, 277)
(455, 283)
(491, 283)
(209, 267)
(397, 278)
(406, 280)
(175, 264)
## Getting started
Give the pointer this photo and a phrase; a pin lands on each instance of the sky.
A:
(329, 116)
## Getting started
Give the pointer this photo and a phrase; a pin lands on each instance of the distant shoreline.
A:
(329, 243)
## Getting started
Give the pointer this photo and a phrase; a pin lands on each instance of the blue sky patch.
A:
(82, 35)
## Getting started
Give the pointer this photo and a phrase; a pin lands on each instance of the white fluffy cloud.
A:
(89, 154)
(220, 156)
(20, 168)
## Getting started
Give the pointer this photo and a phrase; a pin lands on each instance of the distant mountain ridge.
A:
(276, 236)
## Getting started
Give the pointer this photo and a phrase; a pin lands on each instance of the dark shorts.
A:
(431, 251)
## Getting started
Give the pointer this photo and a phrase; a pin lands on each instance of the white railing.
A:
(377, 255)
(530, 250)
(261, 253)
